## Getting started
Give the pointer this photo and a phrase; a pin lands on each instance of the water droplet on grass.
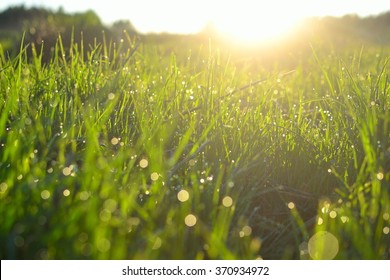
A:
(67, 171)
(45, 194)
(344, 219)
(325, 208)
(183, 195)
(115, 141)
(227, 201)
(143, 163)
(190, 220)
(245, 231)
(154, 176)
(333, 214)
(111, 96)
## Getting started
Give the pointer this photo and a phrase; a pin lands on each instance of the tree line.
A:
(42, 26)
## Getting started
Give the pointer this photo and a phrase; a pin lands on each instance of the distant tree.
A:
(88, 19)
(123, 25)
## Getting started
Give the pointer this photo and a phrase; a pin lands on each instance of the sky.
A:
(259, 18)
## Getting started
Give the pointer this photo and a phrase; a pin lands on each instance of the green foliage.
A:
(179, 151)
(42, 27)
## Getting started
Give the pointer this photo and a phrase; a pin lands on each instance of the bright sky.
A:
(261, 18)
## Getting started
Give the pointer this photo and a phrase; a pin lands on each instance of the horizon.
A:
(240, 19)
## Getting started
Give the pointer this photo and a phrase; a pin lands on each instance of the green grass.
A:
(98, 145)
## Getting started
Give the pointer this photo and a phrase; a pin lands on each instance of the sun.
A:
(251, 23)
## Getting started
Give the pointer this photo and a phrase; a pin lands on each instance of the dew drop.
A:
(227, 201)
(183, 195)
(111, 96)
(344, 219)
(45, 194)
(115, 141)
(246, 231)
(291, 205)
(66, 171)
(333, 214)
(190, 220)
(154, 176)
(380, 176)
(143, 163)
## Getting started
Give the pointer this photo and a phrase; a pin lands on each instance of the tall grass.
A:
(146, 153)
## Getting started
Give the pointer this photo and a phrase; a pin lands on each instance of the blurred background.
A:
(245, 23)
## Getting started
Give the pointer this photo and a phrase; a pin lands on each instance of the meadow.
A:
(193, 150)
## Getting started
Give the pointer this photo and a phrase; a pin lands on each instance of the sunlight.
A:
(250, 22)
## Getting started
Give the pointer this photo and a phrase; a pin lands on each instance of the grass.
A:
(191, 153)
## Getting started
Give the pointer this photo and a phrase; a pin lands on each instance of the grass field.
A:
(186, 151)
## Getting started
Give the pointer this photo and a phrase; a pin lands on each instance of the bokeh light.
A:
(323, 246)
